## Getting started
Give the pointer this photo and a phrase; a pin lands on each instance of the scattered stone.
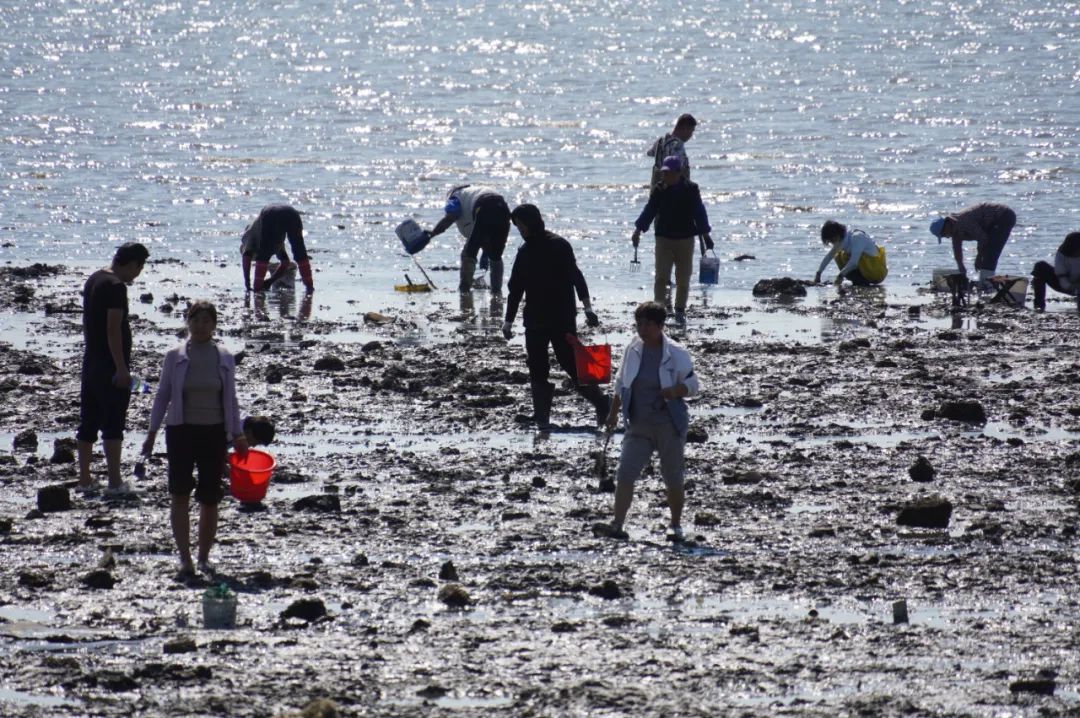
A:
(564, 627)
(854, 344)
(696, 435)
(5, 526)
(53, 498)
(115, 681)
(706, 518)
(966, 410)
(146, 298)
(99, 579)
(329, 363)
(744, 478)
(320, 708)
(455, 595)
(448, 572)
(274, 374)
(322, 503)
(183, 644)
(63, 451)
(26, 440)
(606, 589)
(538, 482)
(822, 532)
(433, 691)
(928, 415)
(360, 560)
(899, 612)
(376, 318)
(306, 609)
(749, 402)
(922, 470)
(420, 624)
(1040, 686)
(31, 579)
(780, 287)
(932, 512)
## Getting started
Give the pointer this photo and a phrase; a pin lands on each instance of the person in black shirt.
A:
(680, 216)
(546, 274)
(106, 376)
(275, 223)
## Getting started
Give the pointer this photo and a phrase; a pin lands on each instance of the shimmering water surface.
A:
(174, 122)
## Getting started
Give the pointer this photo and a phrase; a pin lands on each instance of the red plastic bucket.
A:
(592, 361)
(249, 475)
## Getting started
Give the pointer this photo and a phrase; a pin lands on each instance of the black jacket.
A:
(546, 273)
(678, 211)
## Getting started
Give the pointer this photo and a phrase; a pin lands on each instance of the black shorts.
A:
(191, 446)
(102, 406)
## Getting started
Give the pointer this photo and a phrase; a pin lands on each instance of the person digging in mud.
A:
(105, 389)
(483, 218)
(196, 398)
(655, 377)
(1062, 276)
(680, 216)
(546, 274)
(988, 225)
(275, 223)
(249, 245)
(860, 260)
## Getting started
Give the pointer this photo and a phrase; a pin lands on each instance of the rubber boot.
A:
(305, 273)
(260, 275)
(245, 260)
(496, 276)
(468, 268)
(599, 399)
(1040, 294)
(282, 269)
(542, 394)
(984, 279)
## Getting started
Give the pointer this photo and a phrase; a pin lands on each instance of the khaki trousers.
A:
(680, 254)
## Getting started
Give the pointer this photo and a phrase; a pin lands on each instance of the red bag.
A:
(593, 362)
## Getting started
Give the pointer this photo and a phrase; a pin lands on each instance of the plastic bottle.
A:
(139, 385)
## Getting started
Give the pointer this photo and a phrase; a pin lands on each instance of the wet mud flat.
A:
(420, 552)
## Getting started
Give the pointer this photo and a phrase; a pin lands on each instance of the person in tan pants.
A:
(680, 216)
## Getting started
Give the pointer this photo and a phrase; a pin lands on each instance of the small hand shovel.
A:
(600, 466)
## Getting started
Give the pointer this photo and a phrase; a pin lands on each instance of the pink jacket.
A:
(170, 391)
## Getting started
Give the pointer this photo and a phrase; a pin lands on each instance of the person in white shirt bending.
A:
(861, 261)
(1063, 276)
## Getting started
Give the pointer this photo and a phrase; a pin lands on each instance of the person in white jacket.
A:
(651, 386)
(196, 398)
(863, 262)
(1063, 276)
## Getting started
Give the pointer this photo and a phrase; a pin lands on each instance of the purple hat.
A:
(671, 164)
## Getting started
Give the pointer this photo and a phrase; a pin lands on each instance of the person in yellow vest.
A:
(860, 260)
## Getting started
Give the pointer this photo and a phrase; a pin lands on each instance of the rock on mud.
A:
(98, 579)
(63, 451)
(321, 708)
(922, 470)
(1044, 686)
(706, 518)
(455, 595)
(606, 589)
(448, 572)
(181, 644)
(780, 287)
(931, 512)
(329, 363)
(26, 440)
(53, 498)
(322, 503)
(969, 411)
(306, 609)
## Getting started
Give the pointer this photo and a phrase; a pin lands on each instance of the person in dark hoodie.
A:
(546, 274)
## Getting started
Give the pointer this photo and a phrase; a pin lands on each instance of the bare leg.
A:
(85, 451)
(112, 460)
(208, 521)
(676, 499)
(179, 516)
(624, 496)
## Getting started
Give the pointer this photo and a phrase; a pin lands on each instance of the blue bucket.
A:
(709, 270)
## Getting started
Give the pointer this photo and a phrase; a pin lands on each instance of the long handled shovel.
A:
(423, 272)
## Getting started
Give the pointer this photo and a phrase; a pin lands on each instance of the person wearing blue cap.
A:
(483, 218)
(680, 216)
(988, 225)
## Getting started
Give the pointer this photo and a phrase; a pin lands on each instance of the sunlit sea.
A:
(172, 123)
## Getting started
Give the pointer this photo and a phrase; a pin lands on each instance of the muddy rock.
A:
(321, 708)
(33, 579)
(931, 512)
(5, 526)
(922, 470)
(306, 609)
(321, 503)
(99, 579)
(63, 451)
(448, 572)
(53, 498)
(1040, 686)
(606, 589)
(966, 410)
(706, 518)
(745, 478)
(26, 440)
(329, 363)
(181, 644)
(696, 435)
(780, 287)
(454, 595)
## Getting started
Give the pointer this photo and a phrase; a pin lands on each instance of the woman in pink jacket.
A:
(196, 398)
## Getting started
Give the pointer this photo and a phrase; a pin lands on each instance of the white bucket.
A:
(709, 270)
(287, 281)
(939, 281)
(219, 612)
